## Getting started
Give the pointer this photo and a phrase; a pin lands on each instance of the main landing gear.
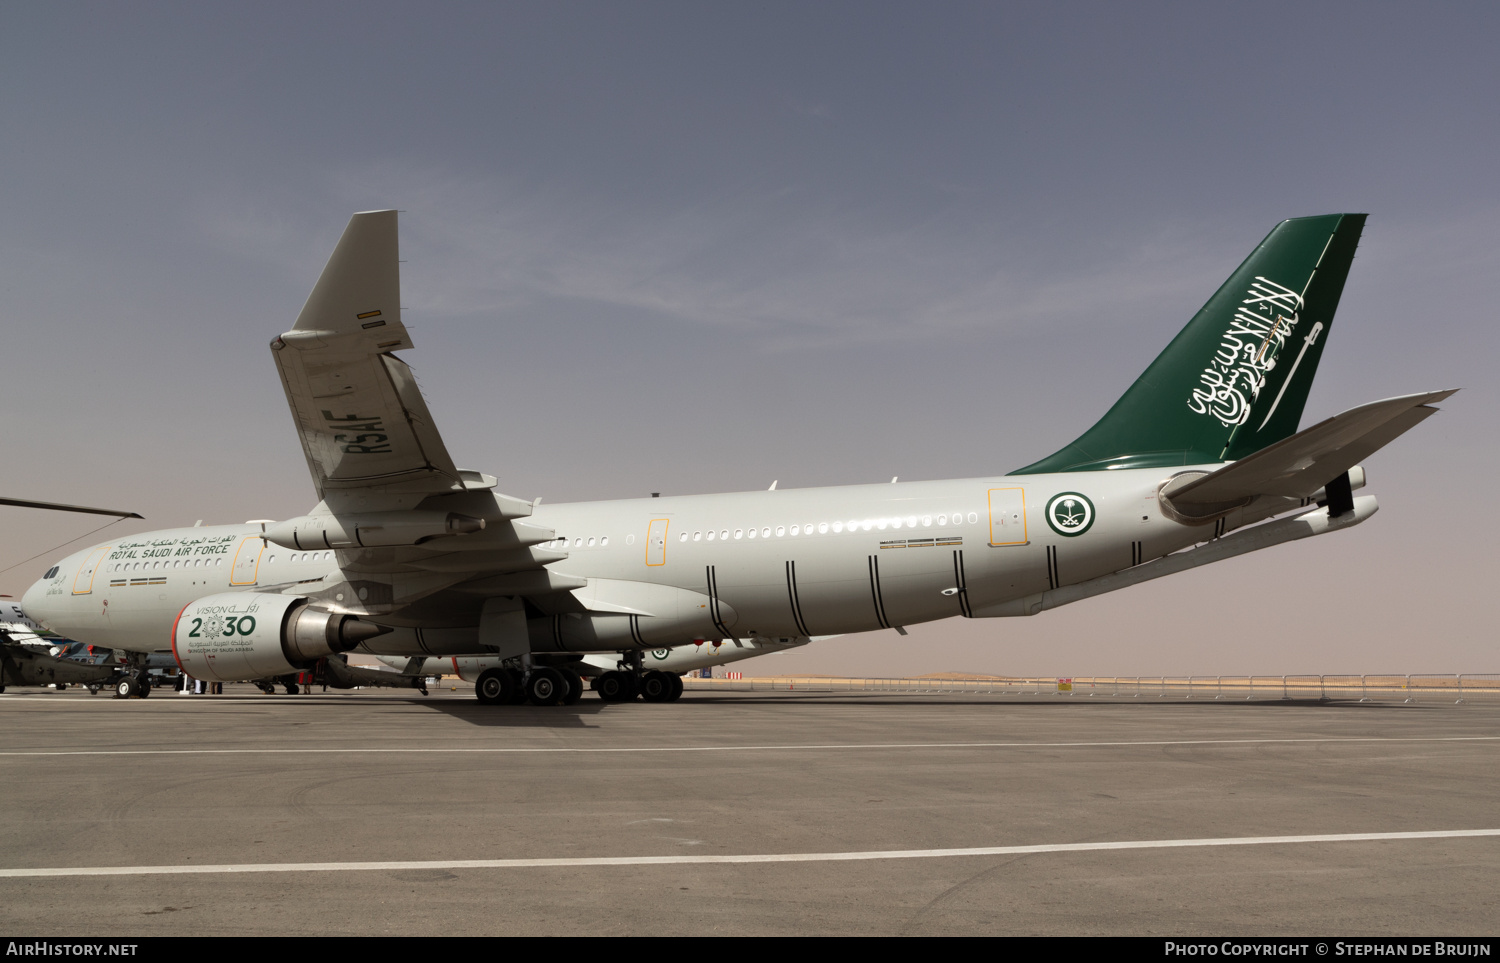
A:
(653, 686)
(543, 686)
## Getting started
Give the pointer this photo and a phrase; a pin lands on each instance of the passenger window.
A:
(604, 541)
(942, 519)
(682, 537)
(751, 533)
(697, 536)
(739, 532)
(591, 541)
(780, 531)
(712, 535)
(973, 517)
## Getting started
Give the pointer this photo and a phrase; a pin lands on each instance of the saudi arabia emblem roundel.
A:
(1070, 513)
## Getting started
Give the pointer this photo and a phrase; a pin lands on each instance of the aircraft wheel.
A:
(93, 689)
(2, 688)
(517, 687)
(494, 687)
(125, 688)
(676, 687)
(655, 686)
(144, 689)
(60, 686)
(616, 687)
(575, 687)
(546, 686)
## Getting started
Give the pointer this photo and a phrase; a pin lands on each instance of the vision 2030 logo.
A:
(1069, 514)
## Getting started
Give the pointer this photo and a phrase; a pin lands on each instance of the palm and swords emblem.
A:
(1070, 513)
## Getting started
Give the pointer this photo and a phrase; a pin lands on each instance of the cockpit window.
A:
(51, 571)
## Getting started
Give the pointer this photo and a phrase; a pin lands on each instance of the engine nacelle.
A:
(239, 636)
(370, 529)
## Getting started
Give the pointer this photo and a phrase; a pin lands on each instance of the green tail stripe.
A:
(1236, 378)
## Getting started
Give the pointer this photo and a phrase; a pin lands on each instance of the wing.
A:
(375, 455)
(58, 507)
(1298, 466)
(363, 423)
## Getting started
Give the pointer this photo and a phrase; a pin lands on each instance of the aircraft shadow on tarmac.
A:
(584, 713)
(576, 716)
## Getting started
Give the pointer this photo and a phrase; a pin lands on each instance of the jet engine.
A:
(238, 636)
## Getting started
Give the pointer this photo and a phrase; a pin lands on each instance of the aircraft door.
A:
(83, 582)
(1008, 516)
(656, 542)
(247, 561)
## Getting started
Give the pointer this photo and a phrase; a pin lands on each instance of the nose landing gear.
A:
(132, 687)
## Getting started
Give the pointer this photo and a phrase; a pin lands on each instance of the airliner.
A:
(406, 555)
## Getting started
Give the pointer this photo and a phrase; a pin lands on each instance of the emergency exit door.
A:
(247, 561)
(83, 582)
(1007, 516)
(656, 542)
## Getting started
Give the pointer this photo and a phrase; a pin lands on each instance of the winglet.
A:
(357, 407)
(359, 291)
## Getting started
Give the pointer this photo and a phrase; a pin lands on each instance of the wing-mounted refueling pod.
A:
(371, 529)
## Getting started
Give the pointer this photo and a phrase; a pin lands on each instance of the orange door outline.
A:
(86, 571)
(1008, 516)
(252, 564)
(656, 541)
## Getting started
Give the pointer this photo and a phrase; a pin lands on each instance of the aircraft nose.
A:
(34, 602)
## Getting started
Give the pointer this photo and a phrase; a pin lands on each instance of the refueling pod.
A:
(370, 529)
(238, 636)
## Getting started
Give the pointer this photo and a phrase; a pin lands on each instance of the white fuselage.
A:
(786, 564)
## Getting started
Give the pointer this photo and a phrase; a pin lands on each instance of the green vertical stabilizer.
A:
(1235, 379)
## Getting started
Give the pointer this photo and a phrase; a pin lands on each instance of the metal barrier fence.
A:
(1453, 688)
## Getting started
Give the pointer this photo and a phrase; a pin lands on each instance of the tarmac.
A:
(384, 812)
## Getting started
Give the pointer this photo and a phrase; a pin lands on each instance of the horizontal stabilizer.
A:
(1298, 466)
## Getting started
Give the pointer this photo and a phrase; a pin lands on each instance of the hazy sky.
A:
(697, 247)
